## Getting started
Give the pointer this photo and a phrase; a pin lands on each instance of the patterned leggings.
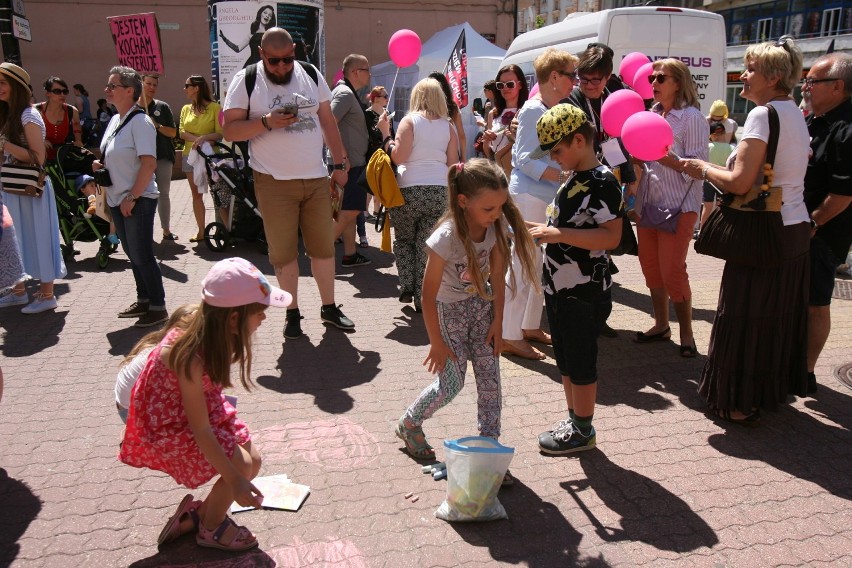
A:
(412, 225)
(464, 327)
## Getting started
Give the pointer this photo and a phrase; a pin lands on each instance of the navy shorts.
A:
(823, 267)
(354, 196)
(575, 326)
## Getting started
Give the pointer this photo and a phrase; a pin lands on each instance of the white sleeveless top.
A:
(427, 164)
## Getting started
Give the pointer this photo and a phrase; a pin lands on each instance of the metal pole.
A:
(11, 47)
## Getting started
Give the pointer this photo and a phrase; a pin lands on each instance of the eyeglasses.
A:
(810, 81)
(384, 96)
(659, 78)
(571, 75)
(111, 87)
(507, 85)
(592, 82)
(58, 91)
(278, 60)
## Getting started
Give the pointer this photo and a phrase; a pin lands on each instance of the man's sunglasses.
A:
(278, 60)
(58, 91)
(507, 85)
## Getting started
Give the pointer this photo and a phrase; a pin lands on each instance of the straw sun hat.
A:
(17, 73)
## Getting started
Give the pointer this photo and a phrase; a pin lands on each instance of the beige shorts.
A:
(290, 205)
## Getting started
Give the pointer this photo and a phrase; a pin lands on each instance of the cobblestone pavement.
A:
(666, 487)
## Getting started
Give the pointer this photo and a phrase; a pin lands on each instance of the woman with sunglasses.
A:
(512, 93)
(664, 184)
(61, 119)
(758, 345)
(533, 184)
(199, 123)
(35, 219)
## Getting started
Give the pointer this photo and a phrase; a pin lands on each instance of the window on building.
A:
(764, 29)
(831, 21)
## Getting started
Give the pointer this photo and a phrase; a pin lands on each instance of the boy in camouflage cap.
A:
(583, 221)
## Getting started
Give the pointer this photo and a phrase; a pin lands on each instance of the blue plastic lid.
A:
(488, 445)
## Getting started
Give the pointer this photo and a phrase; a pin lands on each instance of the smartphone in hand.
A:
(291, 108)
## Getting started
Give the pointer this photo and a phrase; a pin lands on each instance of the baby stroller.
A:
(74, 225)
(232, 186)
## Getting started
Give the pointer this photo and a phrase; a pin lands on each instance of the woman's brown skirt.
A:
(758, 345)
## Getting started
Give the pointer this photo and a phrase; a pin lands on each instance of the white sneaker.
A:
(12, 299)
(39, 304)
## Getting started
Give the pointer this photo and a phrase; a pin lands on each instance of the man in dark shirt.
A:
(164, 122)
(828, 189)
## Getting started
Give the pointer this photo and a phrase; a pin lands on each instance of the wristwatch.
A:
(341, 167)
(814, 225)
(130, 197)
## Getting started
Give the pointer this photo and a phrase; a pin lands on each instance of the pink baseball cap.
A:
(236, 282)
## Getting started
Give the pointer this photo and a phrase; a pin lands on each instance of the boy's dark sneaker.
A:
(565, 440)
(332, 314)
(293, 327)
(356, 259)
(152, 318)
(136, 309)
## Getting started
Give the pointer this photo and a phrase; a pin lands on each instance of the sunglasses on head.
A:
(659, 78)
(277, 60)
(58, 91)
(507, 85)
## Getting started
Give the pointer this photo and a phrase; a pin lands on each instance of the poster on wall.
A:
(137, 42)
(237, 26)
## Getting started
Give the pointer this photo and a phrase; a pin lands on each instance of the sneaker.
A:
(151, 318)
(12, 299)
(566, 440)
(40, 304)
(113, 239)
(356, 259)
(136, 309)
(335, 317)
(293, 327)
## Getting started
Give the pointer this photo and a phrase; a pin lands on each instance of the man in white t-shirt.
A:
(286, 118)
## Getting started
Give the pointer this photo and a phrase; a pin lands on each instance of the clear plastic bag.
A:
(475, 469)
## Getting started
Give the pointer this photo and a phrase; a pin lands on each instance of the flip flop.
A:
(170, 237)
(196, 239)
(642, 337)
(533, 354)
(171, 531)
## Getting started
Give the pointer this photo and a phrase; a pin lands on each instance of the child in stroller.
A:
(232, 187)
(73, 165)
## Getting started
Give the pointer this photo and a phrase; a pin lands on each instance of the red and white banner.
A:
(456, 72)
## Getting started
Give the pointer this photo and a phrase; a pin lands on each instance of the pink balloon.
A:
(533, 91)
(630, 64)
(647, 136)
(404, 48)
(617, 108)
(640, 81)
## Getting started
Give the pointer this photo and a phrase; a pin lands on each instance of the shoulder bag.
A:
(661, 218)
(23, 179)
(748, 229)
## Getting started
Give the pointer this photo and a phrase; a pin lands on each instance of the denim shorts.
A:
(574, 326)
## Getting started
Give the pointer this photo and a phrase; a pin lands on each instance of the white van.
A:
(695, 37)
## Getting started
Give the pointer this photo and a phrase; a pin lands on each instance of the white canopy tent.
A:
(483, 62)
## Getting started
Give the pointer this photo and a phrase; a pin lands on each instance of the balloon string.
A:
(393, 86)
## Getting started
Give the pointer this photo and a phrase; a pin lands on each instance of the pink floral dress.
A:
(158, 435)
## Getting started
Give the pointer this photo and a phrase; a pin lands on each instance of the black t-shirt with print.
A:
(587, 200)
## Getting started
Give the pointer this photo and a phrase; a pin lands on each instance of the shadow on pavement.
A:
(184, 553)
(324, 371)
(536, 534)
(649, 512)
(408, 328)
(122, 341)
(20, 508)
(28, 334)
(798, 444)
(642, 303)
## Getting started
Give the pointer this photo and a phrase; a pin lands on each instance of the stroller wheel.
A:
(102, 258)
(216, 237)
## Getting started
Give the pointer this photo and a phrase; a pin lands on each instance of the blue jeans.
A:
(137, 240)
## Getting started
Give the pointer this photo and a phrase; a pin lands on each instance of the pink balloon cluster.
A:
(404, 48)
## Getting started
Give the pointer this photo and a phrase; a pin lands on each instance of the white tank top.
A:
(427, 164)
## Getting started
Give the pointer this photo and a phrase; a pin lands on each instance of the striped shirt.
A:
(665, 187)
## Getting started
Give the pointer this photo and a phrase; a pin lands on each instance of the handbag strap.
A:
(774, 130)
(122, 124)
